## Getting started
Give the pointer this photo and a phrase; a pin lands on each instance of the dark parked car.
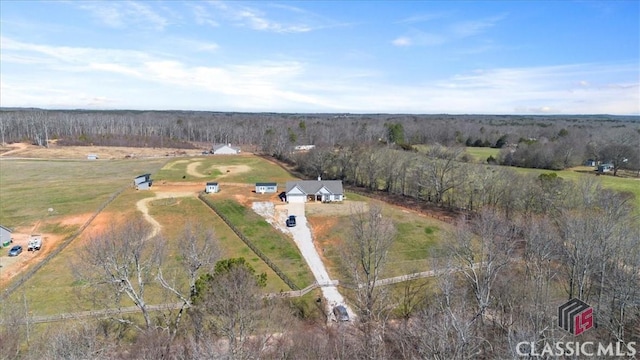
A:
(291, 221)
(15, 251)
(341, 314)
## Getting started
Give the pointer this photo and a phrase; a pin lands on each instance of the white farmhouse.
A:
(314, 190)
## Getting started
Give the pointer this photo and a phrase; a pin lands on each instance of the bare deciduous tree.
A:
(74, 341)
(481, 249)
(198, 253)
(444, 328)
(366, 251)
(440, 172)
(232, 302)
(121, 262)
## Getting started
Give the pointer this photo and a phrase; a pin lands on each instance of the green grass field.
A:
(276, 246)
(418, 240)
(194, 212)
(75, 188)
(215, 167)
(28, 188)
(481, 154)
(54, 289)
(626, 184)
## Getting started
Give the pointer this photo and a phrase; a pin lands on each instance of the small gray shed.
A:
(144, 185)
(5, 236)
(141, 178)
(264, 187)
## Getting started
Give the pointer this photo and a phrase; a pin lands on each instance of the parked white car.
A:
(35, 243)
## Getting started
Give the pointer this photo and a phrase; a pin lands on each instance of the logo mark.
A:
(575, 316)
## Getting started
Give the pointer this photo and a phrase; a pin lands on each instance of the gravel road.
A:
(304, 239)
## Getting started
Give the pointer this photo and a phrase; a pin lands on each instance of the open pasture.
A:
(418, 237)
(29, 188)
(245, 168)
(481, 154)
(77, 188)
(617, 183)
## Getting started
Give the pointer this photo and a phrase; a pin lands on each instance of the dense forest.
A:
(550, 142)
(522, 244)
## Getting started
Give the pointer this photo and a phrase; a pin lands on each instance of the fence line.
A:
(31, 271)
(283, 294)
(250, 244)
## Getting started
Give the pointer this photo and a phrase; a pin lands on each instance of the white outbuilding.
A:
(225, 149)
(211, 187)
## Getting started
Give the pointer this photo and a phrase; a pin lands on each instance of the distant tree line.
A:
(549, 142)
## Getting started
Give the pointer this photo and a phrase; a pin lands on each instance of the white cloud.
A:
(402, 41)
(122, 14)
(257, 19)
(418, 18)
(203, 17)
(67, 76)
(473, 27)
(453, 32)
(419, 38)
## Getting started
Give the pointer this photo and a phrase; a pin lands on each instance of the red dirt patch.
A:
(75, 220)
(12, 266)
(321, 228)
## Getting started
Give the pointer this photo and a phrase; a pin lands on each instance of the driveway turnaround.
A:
(304, 240)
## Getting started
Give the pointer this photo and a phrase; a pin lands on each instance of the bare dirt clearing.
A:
(80, 152)
(10, 266)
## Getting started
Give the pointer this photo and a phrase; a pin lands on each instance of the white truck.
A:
(35, 243)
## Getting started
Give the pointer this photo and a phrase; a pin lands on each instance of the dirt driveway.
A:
(276, 215)
(143, 207)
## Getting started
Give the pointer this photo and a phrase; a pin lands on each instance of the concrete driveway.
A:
(304, 240)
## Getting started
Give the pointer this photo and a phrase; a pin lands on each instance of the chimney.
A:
(229, 144)
(319, 178)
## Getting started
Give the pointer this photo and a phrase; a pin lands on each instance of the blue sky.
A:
(456, 57)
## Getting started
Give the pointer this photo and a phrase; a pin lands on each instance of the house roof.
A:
(143, 175)
(266, 184)
(218, 147)
(212, 184)
(6, 228)
(314, 186)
